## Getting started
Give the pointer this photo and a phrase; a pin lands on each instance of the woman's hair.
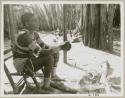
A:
(26, 17)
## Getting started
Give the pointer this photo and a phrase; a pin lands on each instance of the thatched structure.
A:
(95, 22)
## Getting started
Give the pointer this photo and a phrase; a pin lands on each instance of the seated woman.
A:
(30, 53)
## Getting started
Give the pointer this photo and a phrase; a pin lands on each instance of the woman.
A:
(30, 53)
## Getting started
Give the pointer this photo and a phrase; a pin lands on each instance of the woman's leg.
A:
(46, 62)
(54, 76)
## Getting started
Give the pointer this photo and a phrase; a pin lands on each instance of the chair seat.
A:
(21, 74)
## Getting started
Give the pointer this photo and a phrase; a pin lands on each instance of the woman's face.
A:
(33, 24)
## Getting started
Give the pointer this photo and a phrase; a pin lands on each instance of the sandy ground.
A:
(81, 59)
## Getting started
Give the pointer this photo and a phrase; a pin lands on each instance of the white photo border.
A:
(122, 4)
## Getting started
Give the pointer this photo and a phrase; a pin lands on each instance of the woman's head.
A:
(30, 21)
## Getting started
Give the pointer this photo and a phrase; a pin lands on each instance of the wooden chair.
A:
(16, 89)
(15, 86)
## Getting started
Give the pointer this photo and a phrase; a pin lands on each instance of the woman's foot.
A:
(48, 89)
(56, 78)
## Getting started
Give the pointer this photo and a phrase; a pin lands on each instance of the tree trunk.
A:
(82, 22)
(64, 31)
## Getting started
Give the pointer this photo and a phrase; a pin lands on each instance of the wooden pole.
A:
(11, 22)
(86, 33)
(64, 31)
(98, 30)
(110, 27)
(97, 26)
(103, 27)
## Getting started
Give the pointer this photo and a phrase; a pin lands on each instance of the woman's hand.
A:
(66, 46)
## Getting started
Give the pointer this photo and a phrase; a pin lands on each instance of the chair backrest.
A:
(6, 52)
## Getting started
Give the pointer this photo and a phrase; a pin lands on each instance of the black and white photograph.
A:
(62, 48)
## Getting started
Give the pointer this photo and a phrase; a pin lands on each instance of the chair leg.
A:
(15, 89)
(36, 82)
